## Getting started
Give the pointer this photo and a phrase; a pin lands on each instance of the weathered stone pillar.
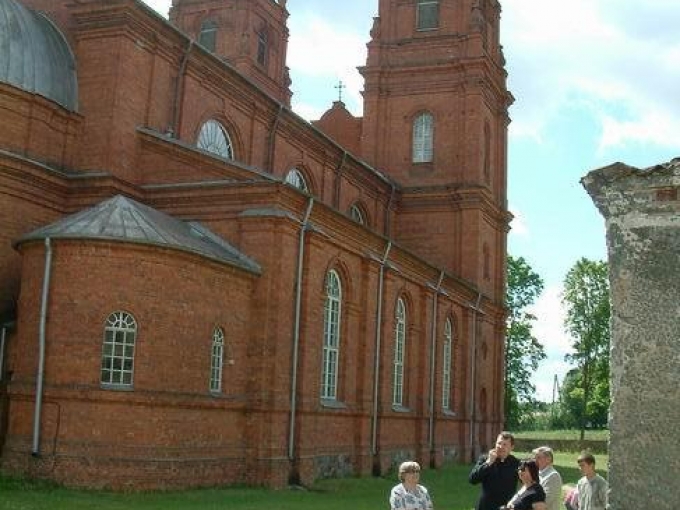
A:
(642, 213)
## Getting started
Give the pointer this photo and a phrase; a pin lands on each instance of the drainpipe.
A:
(473, 370)
(376, 360)
(179, 92)
(296, 330)
(433, 344)
(41, 349)
(272, 139)
(2, 351)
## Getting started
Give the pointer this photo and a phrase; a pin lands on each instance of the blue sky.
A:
(595, 81)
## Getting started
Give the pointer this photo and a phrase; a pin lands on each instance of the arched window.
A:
(118, 350)
(447, 365)
(214, 138)
(216, 360)
(207, 37)
(331, 336)
(295, 178)
(262, 47)
(357, 214)
(427, 16)
(399, 347)
(423, 127)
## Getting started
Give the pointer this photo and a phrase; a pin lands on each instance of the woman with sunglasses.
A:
(531, 495)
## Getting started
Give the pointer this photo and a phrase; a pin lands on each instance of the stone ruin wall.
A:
(642, 213)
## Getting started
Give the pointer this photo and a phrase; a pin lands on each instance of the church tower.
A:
(251, 35)
(436, 118)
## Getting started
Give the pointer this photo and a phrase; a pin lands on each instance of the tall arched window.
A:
(423, 128)
(427, 16)
(214, 138)
(399, 354)
(331, 336)
(447, 365)
(216, 360)
(118, 349)
(207, 37)
(295, 178)
(262, 47)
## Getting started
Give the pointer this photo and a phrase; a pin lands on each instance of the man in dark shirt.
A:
(497, 472)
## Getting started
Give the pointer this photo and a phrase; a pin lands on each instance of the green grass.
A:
(449, 488)
(597, 435)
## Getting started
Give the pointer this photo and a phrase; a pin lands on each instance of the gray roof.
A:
(125, 220)
(35, 56)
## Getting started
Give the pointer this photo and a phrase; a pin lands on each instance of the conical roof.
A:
(126, 220)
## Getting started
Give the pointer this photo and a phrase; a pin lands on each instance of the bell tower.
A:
(252, 35)
(435, 119)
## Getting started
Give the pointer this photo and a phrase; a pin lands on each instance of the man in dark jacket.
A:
(497, 472)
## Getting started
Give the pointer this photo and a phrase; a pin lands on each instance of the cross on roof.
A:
(340, 86)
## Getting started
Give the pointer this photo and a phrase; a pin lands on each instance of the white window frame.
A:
(447, 360)
(399, 353)
(296, 178)
(214, 138)
(423, 138)
(118, 350)
(216, 360)
(331, 336)
(427, 15)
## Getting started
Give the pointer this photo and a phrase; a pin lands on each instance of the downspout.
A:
(433, 344)
(338, 174)
(296, 331)
(179, 92)
(376, 358)
(272, 139)
(2, 351)
(473, 370)
(41, 349)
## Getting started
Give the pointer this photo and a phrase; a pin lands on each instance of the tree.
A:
(586, 299)
(522, 351)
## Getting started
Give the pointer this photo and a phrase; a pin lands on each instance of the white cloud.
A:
(160, 6)
(307, 111)
(549, 331)
(329, 53)
(603, 51)
(519, 225)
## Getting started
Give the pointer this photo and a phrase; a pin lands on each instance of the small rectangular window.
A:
(207, 37)
(428, 15)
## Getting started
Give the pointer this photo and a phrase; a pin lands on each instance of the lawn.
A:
(595, 435)
(449, 488)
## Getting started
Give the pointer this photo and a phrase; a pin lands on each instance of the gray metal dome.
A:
(35, 56)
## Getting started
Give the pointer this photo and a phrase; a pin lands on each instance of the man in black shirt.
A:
(497, 472)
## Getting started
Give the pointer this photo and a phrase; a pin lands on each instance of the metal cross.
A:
(340, 86)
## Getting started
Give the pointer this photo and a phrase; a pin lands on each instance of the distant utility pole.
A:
(555, 396)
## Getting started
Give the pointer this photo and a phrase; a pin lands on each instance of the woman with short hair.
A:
(409, 494)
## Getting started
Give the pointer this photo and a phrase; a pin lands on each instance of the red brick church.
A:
(199, 287)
